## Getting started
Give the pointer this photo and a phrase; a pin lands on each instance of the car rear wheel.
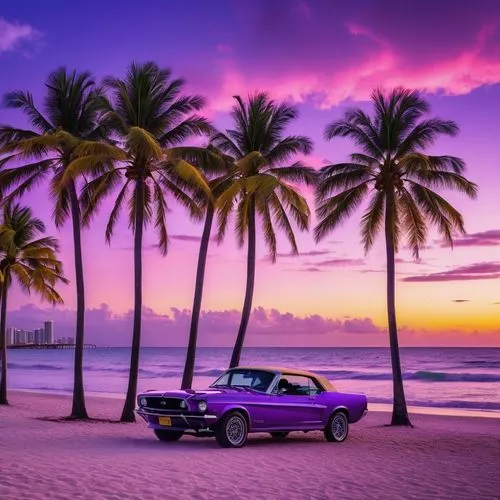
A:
(337, 428)
(232, 431)
(164, 435)
(279, 435)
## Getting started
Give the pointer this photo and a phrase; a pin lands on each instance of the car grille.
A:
(164, 403)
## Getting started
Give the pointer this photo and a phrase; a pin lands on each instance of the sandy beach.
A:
(442, 457)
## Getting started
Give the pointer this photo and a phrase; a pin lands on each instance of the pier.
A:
(49, 346)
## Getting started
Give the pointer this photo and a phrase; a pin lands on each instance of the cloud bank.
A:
(268, 327)
(15, 35)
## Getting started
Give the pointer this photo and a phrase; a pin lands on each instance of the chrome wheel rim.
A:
(339, 426)
(235, 430)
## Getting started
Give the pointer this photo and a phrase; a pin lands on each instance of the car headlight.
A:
(183, 404)
(202, 406)
(143, 402)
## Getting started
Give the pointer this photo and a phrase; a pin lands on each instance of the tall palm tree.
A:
(149, 116)
(262, 185)
(70, 121)
(217, 186)
(30, 258)
(392, 169)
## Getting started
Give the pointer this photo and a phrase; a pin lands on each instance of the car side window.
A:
(314, 387)
(294, 385)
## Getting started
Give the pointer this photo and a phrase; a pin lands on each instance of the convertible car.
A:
(244, 400)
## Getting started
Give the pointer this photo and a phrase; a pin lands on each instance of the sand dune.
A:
(443, 457)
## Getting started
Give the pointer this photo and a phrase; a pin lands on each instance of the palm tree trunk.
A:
(128, 407)
(3, 342)
(399, 410)
(187, 377)
(78, 409)
(247, 304)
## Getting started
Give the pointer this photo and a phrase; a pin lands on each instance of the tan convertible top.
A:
(327, 385)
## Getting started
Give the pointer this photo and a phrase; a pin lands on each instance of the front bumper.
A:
(179, 421)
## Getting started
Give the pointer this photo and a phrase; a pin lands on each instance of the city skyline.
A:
(332, 294)
(37, 336)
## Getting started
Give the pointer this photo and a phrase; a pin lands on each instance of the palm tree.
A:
(70, 121)
(32, 260)
(262, 185)
(148, 116)
(392, 169)
(217, 187)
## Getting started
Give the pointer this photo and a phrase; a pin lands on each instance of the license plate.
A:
(165, 421)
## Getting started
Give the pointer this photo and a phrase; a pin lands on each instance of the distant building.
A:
(48, 336)
(39, 335)
(19, 336)
(10, 336)
(70, 340)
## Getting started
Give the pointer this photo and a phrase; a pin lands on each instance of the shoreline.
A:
(372, 407)
(441, 457)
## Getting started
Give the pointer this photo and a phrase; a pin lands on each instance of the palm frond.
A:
(297, 172)
(412, 221)
(334, 178)
(95, 191)
(140, 140)
(224, 143)
(192, 126)
(115, 212)
(160, 218)
(438, 211)
(444, 179)
(372, 219)
(424, 135)
(343, 128)
(242, 218)
(24, 101)
(10, 135)
(333, 211)
(268, 229)
(283, 222)
(289, 147)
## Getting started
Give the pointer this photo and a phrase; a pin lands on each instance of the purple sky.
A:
(325, 56)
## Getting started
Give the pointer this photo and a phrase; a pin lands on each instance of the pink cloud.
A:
(13, 35)
(383, 64)
(481, 239)
(477, 271)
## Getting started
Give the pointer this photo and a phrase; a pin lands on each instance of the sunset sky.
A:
(325, 56)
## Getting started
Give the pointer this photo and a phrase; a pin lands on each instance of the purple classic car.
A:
(243, 400)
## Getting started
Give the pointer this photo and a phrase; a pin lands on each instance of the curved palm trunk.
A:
(3, 343)
(399, 410)
(187, 377)
(128, 407)
(78, 409)
(247, 305)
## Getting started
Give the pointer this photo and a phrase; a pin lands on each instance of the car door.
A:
(293, 403)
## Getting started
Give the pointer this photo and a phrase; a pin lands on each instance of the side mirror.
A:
(281, 391)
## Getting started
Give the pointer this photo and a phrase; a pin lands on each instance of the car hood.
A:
(189, 393)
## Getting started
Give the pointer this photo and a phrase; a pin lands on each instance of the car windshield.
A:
(258, 380)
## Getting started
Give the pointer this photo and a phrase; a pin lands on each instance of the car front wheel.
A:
(164, 435)
(337, 428)
(232, 431)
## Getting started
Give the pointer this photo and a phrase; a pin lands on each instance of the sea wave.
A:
(19, 366)
(464, 404)
(423, 375)
(154, 372)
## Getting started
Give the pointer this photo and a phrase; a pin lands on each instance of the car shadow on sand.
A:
(192, 443)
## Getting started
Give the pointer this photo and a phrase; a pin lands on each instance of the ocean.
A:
(466, 378)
